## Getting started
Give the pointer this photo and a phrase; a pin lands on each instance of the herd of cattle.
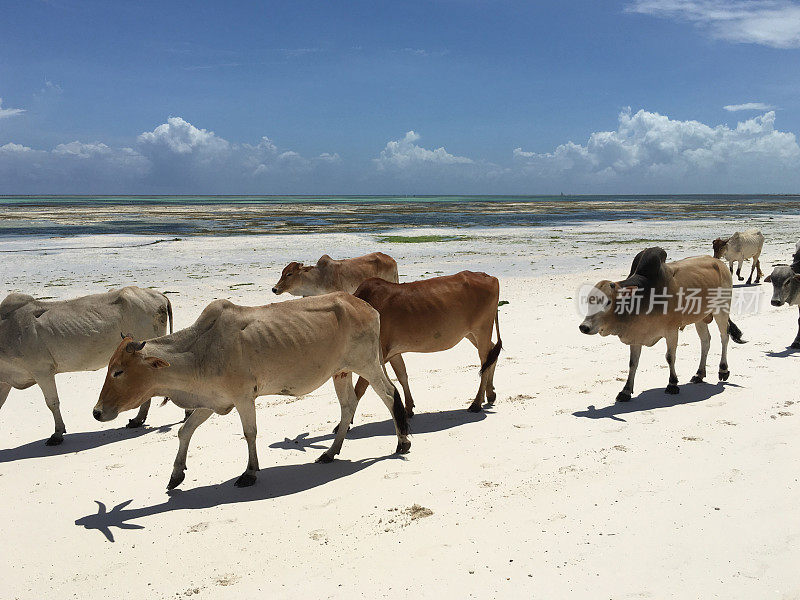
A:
(354, 316)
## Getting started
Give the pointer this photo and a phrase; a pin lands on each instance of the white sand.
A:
(688, 496)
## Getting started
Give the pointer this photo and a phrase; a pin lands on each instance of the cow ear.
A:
(768, 279)
(156, 363)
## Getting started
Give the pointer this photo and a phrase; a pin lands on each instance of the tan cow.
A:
(670, 296)
(330, 275)
(434, 315)
(233, 354)
(39, 339)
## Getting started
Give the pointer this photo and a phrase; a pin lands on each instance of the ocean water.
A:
(64, 216)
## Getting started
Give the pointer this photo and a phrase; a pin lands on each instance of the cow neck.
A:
(174, 377)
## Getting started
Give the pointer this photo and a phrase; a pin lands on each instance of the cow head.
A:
(599, 308)
(130, 380)
(295, 279)
(785, 285)
(720, 247)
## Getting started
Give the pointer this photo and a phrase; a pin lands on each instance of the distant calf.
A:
(233, 354)
(40, 339)
(433, 315)
(785, 281)
(330, 275)
(741, 246)
(656, 301)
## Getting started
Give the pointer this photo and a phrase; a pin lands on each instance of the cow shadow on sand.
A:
(78, 442)
(276, 481)
(421, 423)
(788, 351)
(654, 399)
(273, 482)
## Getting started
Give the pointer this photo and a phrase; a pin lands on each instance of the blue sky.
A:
(400, 97)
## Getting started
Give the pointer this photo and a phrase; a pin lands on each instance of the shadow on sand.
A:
(656, 398)
(420, 423)
(277, 481)
(78, 442)
(789, 351)
(273, 482)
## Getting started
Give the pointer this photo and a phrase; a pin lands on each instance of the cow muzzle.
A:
(275, 290)
(584, 328)
(104, 414)
(775, 302)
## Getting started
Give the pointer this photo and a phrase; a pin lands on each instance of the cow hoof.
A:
(324, 458)
(741, 278)
(697, 379)
(134, 423)
(245, 480)
(476, 408)
(672, 389)
(723, 375)
(175, 480)
(403, 447)
(623, 397)
(54, 440)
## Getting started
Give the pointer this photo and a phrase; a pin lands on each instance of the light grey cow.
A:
(741, 246)
(785, 281)
(39, 339)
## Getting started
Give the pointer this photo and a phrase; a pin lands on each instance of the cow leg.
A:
(348, 401)
(247, 413)
(705, 344)
(399, 368)
(722, 322)
(4, 390)
(739, 271)
(483, 343)
(633, 364)
(491, 396)
(759, 272)
(197, 418)
(138, 420)
(672, 347)
(795, 343)
(391, 398)
(47, 383)
(752, 270)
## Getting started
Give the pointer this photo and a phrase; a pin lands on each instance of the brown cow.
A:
(330, 275)
(656, 301)
(434, 315)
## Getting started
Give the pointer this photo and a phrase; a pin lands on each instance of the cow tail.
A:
(491, 358)
(735, 333)
(169, 313)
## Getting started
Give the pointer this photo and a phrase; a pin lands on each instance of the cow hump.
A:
(14, 302)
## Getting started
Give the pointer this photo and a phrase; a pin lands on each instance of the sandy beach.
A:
(555, 492)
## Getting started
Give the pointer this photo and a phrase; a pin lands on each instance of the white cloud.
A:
(748, 106)
(175, 157)
(649, 150)
(774, 23)
(9, 112)
(404, 154)
(180, 137)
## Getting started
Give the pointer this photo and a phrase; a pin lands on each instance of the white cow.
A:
(39, 339)
(233, 354)
(741, 246)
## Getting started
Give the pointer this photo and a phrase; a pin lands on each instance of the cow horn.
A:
(134, 347)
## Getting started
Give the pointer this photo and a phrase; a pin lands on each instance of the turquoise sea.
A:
(50, 216)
